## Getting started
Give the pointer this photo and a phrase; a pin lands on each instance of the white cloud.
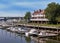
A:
(29, 3)
(33, 5)
(25, 4)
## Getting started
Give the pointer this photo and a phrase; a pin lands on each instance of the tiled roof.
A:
(38, 12)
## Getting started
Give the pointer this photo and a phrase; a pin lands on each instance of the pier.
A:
(43, 40)
(40, 28)
(46, 28)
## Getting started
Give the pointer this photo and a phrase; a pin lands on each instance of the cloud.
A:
(19, 7)
(42, 4)
(29, 3)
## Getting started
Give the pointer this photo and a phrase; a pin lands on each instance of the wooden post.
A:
(57, 37)
(38, 39)
(57, 31)
(41, 22)
(38, 26)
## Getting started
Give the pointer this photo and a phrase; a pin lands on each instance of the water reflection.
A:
(28, 39)
(11, 37)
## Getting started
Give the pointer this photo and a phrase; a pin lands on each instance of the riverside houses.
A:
(38, 16)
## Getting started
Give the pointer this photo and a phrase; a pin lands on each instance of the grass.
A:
(56, 25)
(38, 24)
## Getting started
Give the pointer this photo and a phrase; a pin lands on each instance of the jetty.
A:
(43, 40)
(46, 28)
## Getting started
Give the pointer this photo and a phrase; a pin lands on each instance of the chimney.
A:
(39, 10)
(34, 11)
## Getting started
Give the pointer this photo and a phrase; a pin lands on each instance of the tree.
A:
(52, 12)
(27, 16)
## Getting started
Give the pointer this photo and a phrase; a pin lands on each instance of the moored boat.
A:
(22, 30)
(9, 28)
(12, 29)
(45, 34)
(32, 32)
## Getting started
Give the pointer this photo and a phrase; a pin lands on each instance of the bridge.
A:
(6, 18)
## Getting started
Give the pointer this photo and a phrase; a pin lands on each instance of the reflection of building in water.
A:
(38, 16)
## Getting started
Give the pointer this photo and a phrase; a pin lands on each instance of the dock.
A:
(43, 40)
(46, 28)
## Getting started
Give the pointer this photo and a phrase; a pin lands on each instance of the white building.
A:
(38, 16)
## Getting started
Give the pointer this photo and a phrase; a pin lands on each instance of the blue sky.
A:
(20, 7)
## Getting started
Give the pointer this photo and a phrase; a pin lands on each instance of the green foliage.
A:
(53, 11)
(27, 15)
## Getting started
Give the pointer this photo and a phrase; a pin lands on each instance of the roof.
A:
(38, 12)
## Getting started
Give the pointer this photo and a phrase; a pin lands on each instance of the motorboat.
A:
(16, 29)
(32, 32)
(22, 30)
(12, 29)
(45, 34)
(9, 28)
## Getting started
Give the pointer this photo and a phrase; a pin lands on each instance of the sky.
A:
(18, 8)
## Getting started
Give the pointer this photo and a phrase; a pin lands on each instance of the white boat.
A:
(32, 32)
(12, 29)
(45, 34)
(16, 29)
(27, 34)
(22, 30)
(9, 28)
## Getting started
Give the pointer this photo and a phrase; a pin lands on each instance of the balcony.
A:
(39, 15)
(42, 19)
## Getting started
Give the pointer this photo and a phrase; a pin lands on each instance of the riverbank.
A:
(47, 27)
(37, 24)
(56, 26)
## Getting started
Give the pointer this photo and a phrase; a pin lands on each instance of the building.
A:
(38, 16)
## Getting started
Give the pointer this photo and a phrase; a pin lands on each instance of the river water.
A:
(10, 37)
